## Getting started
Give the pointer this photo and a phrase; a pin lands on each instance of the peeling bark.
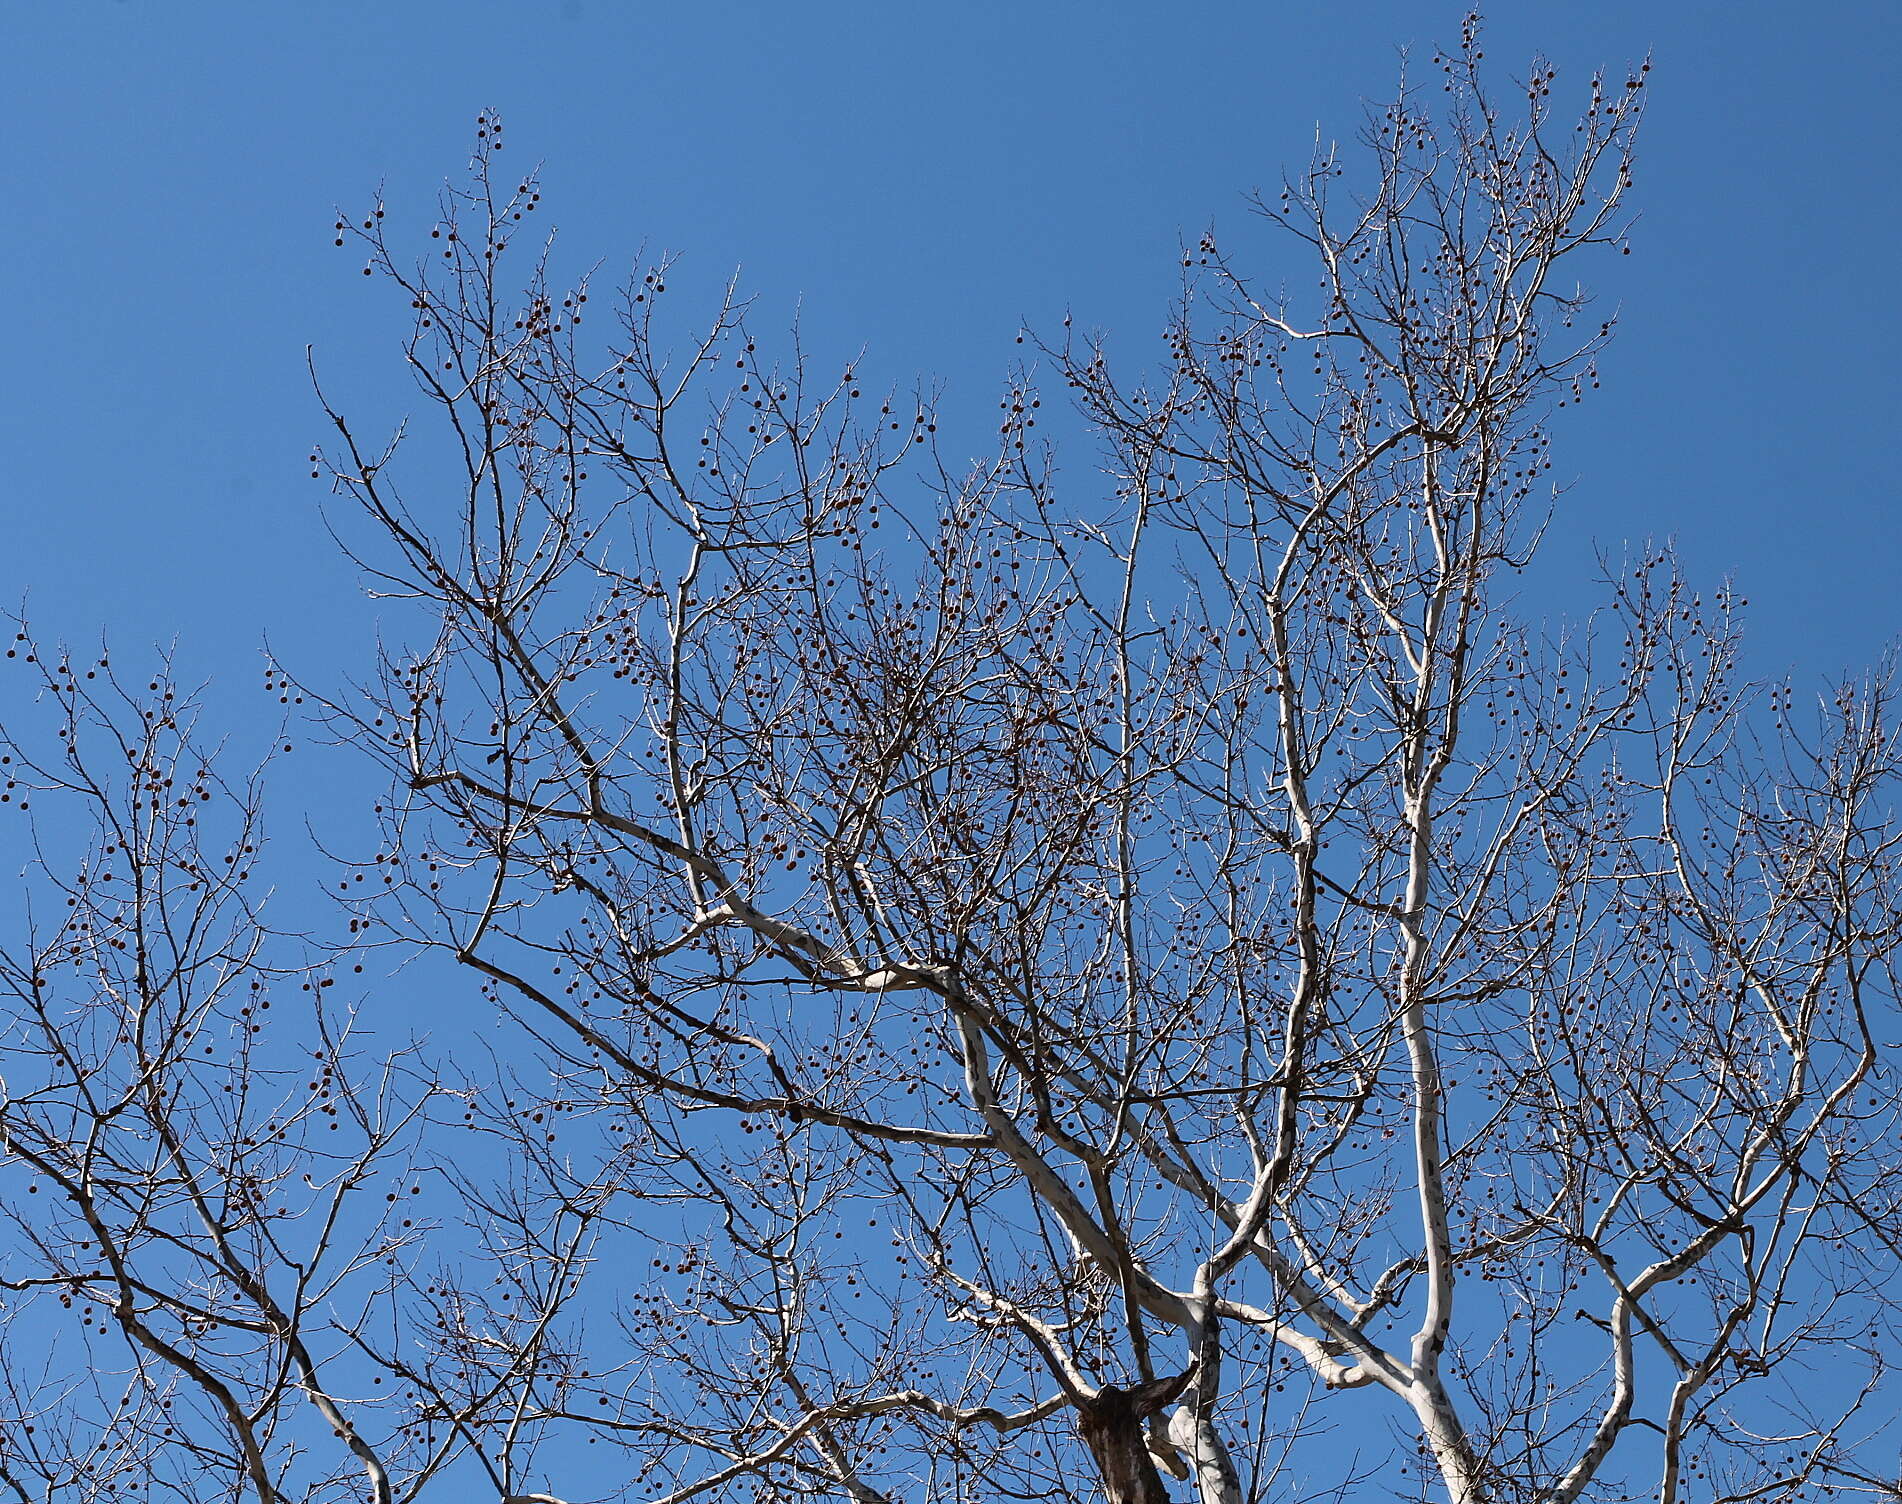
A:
(1114, 1425)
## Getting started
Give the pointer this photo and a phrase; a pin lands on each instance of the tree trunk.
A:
(1114, 1426)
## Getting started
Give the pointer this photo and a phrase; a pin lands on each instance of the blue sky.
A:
(916, 179)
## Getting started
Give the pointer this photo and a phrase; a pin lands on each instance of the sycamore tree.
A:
(1150, 979)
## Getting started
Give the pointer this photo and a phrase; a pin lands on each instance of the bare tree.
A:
(207, 1192)
(1057, 985)
(1226, 954)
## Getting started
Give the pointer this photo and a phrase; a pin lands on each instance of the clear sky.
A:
(922, 177)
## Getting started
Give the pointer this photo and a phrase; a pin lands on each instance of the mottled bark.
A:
(1115, 1425)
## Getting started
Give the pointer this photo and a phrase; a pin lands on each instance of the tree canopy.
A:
(1127, 967)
